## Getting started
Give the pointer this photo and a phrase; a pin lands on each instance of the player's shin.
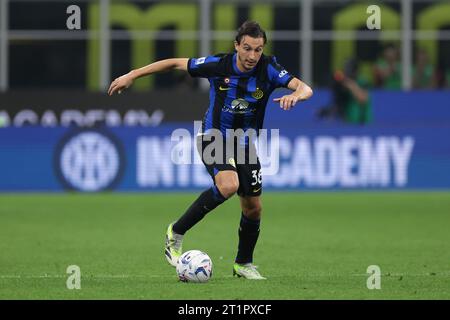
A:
(248, 236)
(206, 202)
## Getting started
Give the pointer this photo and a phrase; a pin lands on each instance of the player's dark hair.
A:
(252, 29)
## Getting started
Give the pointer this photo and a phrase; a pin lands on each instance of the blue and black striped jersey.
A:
(237, 100)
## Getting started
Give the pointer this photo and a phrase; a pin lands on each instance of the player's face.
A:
(249, 52)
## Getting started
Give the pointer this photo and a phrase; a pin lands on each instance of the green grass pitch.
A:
(312, 246)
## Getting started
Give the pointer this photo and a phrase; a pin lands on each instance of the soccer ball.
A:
(194, 266)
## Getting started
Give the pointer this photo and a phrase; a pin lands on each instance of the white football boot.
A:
(247, 271)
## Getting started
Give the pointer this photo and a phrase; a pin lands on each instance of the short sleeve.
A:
(204, 67)
(278, 75)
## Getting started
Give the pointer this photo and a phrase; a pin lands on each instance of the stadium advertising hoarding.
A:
(140, 159)
(53, 108)
(404, 147)
(65, 108)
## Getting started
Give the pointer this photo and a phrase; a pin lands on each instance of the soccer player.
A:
(240, 86)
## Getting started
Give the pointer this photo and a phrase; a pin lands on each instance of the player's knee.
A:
(253, 212)
(228, 188)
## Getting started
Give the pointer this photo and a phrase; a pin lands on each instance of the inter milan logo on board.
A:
(89, 161)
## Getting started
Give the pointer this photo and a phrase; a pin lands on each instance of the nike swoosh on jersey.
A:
(224, 88)
(256, 190)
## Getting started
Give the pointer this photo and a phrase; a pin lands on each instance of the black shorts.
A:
(242, 160)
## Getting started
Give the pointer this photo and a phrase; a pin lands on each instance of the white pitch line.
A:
(131, 276)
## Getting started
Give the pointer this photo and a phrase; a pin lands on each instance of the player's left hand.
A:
(287, 101)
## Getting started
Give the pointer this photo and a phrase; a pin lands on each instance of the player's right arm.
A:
(125, 81)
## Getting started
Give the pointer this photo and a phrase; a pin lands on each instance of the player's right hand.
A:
(120, 83)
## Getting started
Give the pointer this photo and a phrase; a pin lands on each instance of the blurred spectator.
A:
(351, 100)
(423, 74)
(442, 77)
(388, 69)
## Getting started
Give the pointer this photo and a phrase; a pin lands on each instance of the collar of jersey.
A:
(236, 69)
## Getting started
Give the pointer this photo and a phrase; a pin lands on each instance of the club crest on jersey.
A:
(226, 80)
(258, 94)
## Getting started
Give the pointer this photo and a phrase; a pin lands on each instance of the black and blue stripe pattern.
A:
(237, 99)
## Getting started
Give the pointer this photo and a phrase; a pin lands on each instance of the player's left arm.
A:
(301, 92)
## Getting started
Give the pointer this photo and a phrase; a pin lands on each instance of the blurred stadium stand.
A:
(312, 38)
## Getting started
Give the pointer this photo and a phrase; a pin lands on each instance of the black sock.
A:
(248, 235)
(207, 201)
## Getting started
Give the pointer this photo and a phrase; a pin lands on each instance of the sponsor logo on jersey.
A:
(239, 106)
(224, 88)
